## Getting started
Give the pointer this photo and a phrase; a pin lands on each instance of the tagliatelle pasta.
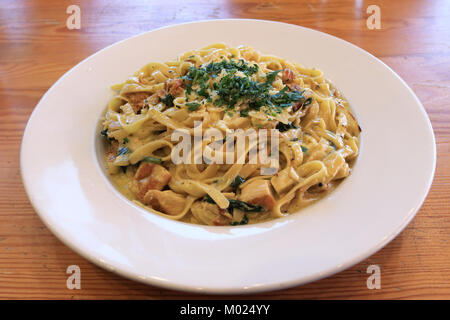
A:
(228, 95)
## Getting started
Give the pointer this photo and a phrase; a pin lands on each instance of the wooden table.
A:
(36, 48)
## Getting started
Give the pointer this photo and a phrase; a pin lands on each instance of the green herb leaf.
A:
(305, 150)
(168, 100)
(152, 160)
(244, 113)
(208, 199)
(237, 182)
(193, 106)
(307, 102)
(244, 206)
(237, 204)
(270, 77)
(285, 127)
(332, 145)
(242, 222)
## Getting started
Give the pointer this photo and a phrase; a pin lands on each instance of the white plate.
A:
(68, 188)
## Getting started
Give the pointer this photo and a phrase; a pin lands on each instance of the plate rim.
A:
(229, 290)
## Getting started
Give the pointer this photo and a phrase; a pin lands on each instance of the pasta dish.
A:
(313, 142)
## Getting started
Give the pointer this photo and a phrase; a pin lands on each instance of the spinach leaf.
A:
(244, 206)
(237, 204)
(208, 199)
(152, 160)
(237, 182)
(242, 222)
(285, 127)
(168, 100)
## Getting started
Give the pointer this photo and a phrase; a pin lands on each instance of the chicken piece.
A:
(165, 201)
(173, 86)
(154, 98)
(111, 157)
(149, 176)
(137, 100)
(210, 214)
(112, 151)
(288, 75)
(284, 180)
(258, 192)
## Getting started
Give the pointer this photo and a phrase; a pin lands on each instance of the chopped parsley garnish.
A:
(284, 99)
(168, 100)
(270, 77)
(241, 65)
(244, 113)
(193, 106)
(152, 160)
(203, 92)
(122, 151)
(234, 87)
(125, 140)
(196, 76)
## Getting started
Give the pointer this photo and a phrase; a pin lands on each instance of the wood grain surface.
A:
(36, 48)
